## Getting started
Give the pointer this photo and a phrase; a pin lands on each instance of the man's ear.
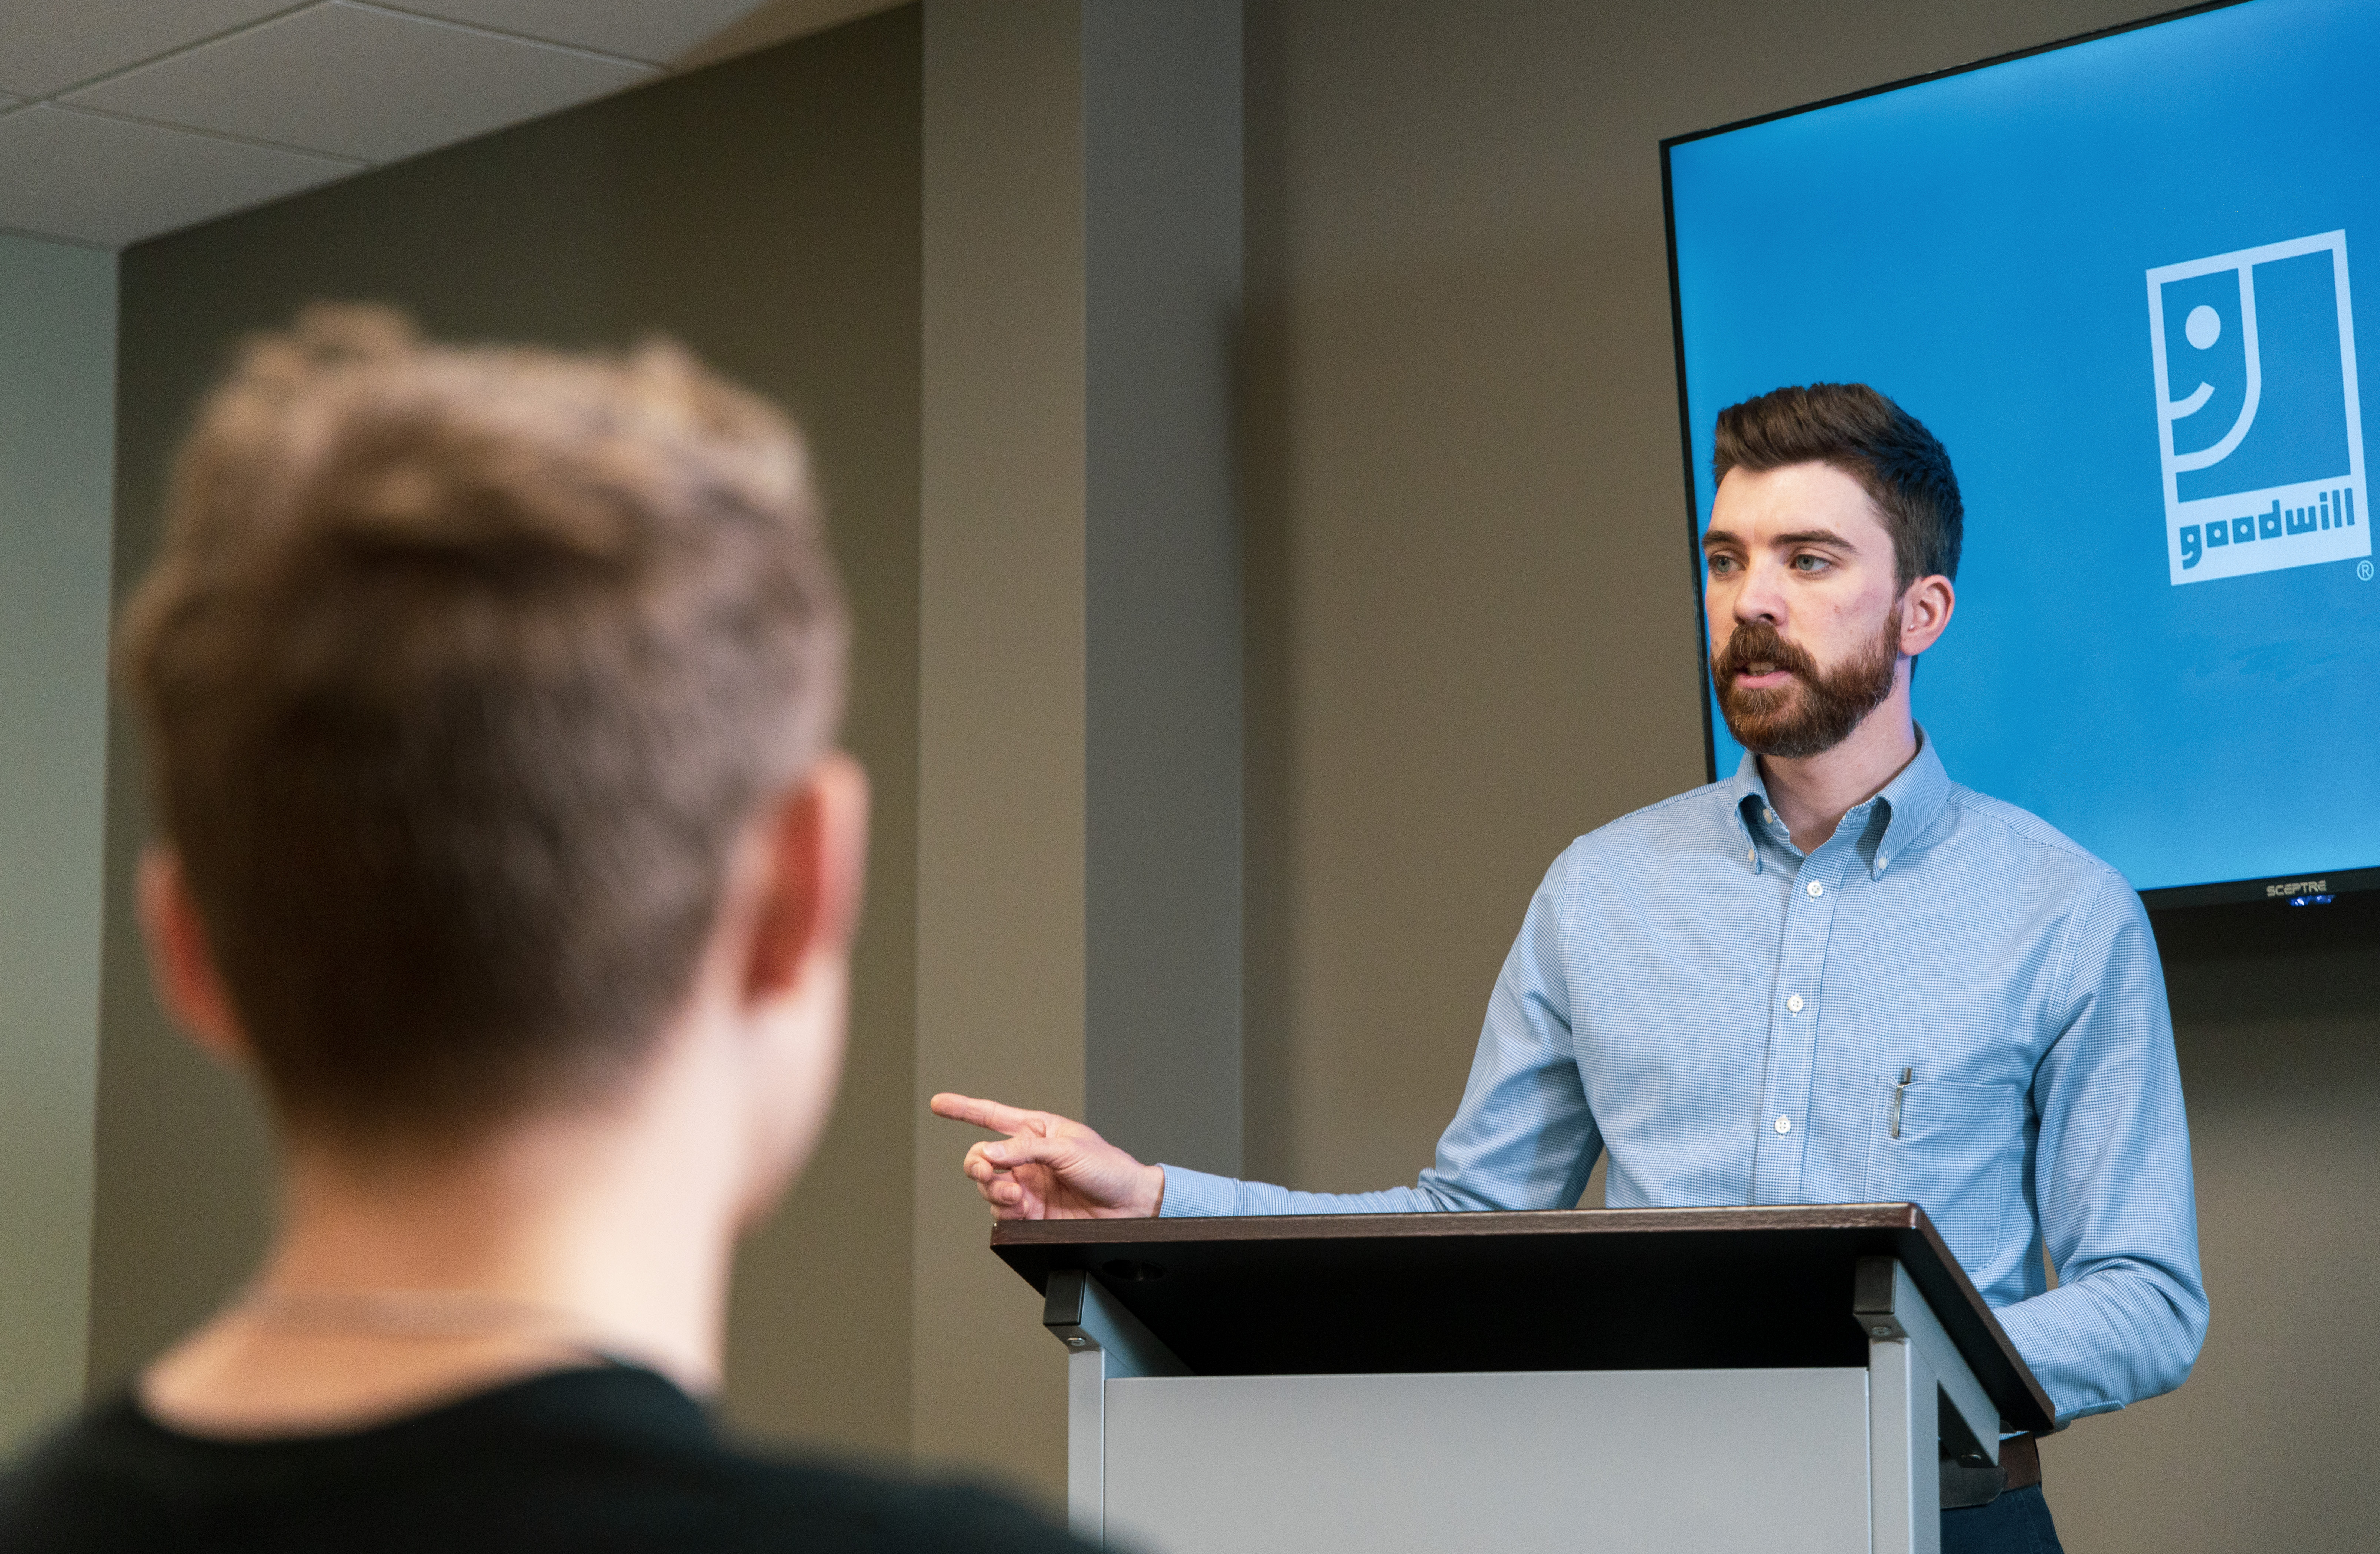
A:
(1926, 609)
(181, 961)
(818, 870)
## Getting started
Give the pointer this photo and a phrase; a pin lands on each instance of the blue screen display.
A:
(2114, 279)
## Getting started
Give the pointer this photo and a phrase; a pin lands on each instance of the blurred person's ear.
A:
(181, 961)
(818, 847)
(809, 866)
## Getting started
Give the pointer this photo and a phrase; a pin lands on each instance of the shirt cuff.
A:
(1193, 1195)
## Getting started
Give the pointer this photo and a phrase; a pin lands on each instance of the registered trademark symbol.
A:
(2363, 570)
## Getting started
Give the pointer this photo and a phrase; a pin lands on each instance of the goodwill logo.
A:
(2257, 420)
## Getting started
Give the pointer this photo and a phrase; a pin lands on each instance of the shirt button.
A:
(1784, 1125)
(1817, 889)
(1794, 1004)
(1769, 814)
(1752, 855)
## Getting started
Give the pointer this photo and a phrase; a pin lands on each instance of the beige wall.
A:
(1001, 660)
(58, 368)
(1079, 925)
(1473, 637)
(765, 211)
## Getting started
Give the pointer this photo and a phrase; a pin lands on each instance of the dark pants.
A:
(2017, 1523)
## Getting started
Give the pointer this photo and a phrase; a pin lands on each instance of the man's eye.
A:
(1809, 564)
(1721, 566)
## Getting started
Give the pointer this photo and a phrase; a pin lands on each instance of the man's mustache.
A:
(1756, 648)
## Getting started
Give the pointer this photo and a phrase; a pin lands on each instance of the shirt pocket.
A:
(1956, 1158)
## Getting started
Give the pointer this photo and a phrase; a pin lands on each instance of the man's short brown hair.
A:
(1903, 467)
(462, 671)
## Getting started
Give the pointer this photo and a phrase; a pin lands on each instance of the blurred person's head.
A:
(491, 696)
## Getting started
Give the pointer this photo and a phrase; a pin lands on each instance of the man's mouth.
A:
(1758, 659)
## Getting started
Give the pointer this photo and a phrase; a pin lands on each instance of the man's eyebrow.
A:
(1717, 537)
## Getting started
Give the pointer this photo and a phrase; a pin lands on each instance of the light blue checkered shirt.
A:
(1731, 1019)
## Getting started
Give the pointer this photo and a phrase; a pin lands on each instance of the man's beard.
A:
(1813, 712)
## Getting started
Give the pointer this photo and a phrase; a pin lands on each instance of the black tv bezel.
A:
(2276, 890)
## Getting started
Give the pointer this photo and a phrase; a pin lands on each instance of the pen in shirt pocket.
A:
(1907, 1075)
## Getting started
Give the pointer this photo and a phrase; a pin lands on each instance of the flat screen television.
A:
(2112, 275)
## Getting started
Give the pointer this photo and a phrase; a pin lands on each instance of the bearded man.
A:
(1836, 977)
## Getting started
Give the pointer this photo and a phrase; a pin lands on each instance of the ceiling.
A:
(122, 119)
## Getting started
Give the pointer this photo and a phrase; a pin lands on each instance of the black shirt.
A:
(613, 1461)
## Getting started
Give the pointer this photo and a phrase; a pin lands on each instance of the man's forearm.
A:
(2115, 1337)
(1197, 1194)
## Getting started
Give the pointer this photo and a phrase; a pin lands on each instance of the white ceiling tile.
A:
(655, 30)
(103, 181)
(46, 45)
(359, 81)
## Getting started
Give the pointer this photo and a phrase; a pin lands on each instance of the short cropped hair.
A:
(462, 671)
(1903, 467)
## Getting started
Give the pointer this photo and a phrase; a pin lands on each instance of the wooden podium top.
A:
(1583, 1289)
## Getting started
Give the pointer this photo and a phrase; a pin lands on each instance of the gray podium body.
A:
(1789, 1380)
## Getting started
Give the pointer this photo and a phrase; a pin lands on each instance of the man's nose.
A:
(1761, 598)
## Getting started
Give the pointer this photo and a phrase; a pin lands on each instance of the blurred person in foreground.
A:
(491, 699)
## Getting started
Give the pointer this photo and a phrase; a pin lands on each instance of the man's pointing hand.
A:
(1050, 1167)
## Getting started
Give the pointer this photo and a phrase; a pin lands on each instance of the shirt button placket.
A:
(1809, 918)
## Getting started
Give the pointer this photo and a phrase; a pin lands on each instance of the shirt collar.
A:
(1911, 801)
